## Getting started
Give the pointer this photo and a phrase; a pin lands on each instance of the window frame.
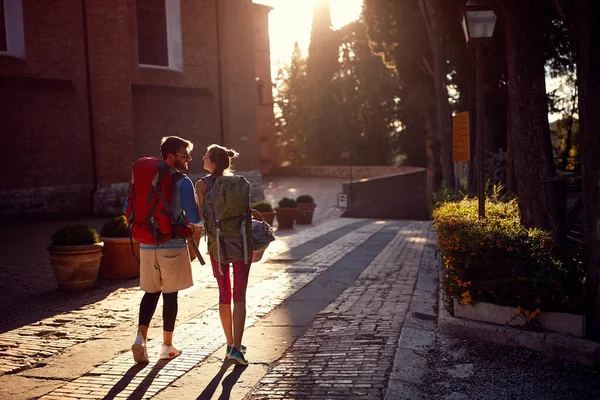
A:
(174, 38)
(13, 28)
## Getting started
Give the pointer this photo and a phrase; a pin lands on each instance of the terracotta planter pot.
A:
(305, 213)
(286, 217)
(117, 260)
(197, 236)
(269, 217)
(76, 267)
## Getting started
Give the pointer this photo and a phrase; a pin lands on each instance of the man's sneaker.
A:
(237, 357)
(140, 353)
(168, 352)
(230, 347)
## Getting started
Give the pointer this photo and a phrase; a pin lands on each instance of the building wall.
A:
(266, 121)
(183, 103)
(44, 108)
(238, 89)
(43, 113)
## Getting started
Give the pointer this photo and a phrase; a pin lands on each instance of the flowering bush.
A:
(497, 260)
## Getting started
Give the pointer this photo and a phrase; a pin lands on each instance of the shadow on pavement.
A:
(228, 382)
(20, 307)
(28, 289)
(140, 391)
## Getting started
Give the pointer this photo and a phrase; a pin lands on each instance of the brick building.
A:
(87, 86)
(266, 120)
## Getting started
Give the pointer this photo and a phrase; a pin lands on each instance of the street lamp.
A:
(478, 23)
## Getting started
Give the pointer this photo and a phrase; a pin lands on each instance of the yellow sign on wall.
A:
(460, 137)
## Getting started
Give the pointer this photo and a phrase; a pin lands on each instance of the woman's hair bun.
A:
(230, 154)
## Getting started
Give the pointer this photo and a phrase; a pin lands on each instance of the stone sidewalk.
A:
(346, 308)
(345, 284)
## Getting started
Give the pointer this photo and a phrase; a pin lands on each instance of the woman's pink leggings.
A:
(240, 281)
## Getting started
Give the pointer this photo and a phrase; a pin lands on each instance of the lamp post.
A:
(478, 23)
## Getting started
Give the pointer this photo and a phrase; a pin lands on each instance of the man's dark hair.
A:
(172, 144)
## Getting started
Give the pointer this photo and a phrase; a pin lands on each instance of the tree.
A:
(370, 99)
(397, 34)
(584, 19)
(528, 115)
(588, 76)
(291, 100)
(430, 11)
(324, 137)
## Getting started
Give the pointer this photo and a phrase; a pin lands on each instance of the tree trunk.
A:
(429, 144)
(587, 27)
(511, 184)
(443, 112)
(528, 114)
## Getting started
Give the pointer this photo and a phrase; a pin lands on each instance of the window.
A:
(260, 90)
(159, 33)
(12, 39)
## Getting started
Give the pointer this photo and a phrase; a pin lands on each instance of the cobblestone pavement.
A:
(201, 335)
(86, 315)
(349, 349)
(342, 310)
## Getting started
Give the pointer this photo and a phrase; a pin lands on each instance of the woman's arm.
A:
(201, 192)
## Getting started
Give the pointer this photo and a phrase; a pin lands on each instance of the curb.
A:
(417, 336)
(553, 345)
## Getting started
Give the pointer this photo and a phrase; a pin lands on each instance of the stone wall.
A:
(109, 200)
(46, 200)
(339, 171)
(75, 200)
(399, 196)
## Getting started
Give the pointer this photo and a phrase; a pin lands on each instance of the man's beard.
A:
(180, 166)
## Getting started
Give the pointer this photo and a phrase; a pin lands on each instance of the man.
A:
(167, 268)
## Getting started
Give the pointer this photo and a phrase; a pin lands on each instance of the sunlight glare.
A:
(290, 21)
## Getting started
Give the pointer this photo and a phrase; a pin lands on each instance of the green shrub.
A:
(305, 198)
(497, 260)
(115, 227)
(445, 195)
(263, 206)
(75, 235)
(286, 202)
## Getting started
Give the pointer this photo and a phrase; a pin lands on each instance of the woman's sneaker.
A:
(167, 352)
(237, 357)
(140, 352)
(229, 349)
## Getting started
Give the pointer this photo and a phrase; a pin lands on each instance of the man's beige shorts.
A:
(166, 270)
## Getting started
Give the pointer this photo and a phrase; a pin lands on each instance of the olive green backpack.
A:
(228, 218)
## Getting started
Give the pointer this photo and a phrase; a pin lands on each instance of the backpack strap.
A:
(177, 176)
(210, 181)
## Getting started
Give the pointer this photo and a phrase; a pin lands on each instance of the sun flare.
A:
(290, 22)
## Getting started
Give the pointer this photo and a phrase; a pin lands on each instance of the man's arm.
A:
(188, 201)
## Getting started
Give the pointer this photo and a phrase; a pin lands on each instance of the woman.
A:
(217, 161)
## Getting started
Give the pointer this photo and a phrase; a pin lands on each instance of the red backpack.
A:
(149, 201)
(149, 204)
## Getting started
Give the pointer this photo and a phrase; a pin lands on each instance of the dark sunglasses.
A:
(186, 155)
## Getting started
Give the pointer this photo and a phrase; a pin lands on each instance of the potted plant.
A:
(118, 260)
(306, 209)
(266, 209)
(286, 213)
(75, 254)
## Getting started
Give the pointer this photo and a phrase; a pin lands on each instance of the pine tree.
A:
(324, 139)
(291, 100)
